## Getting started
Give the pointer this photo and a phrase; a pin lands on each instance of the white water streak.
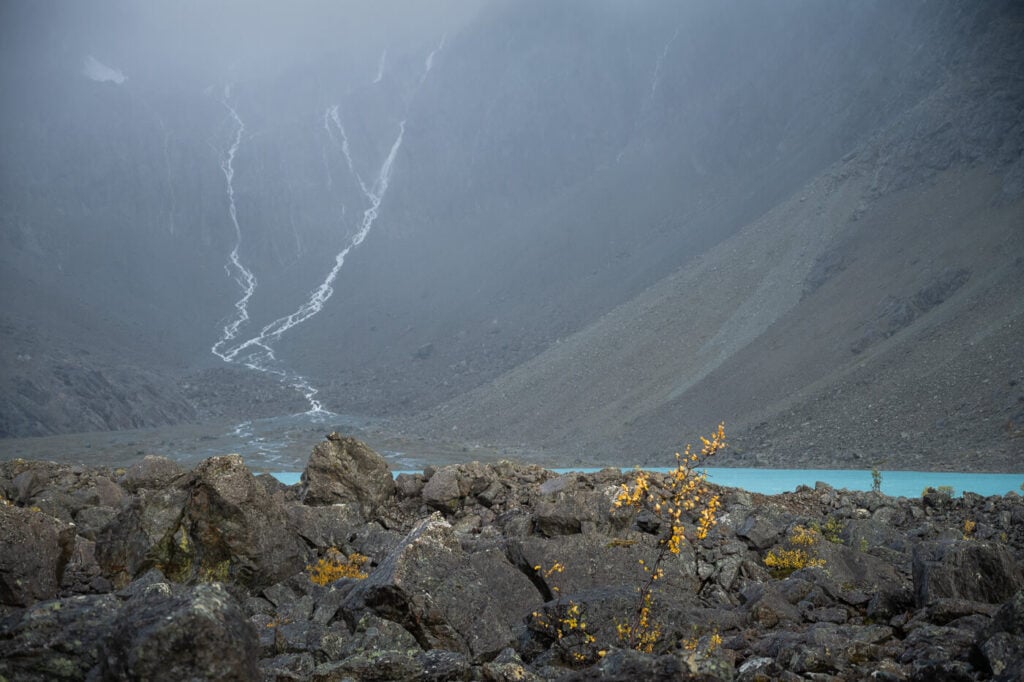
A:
(429, 63)
(243, 276)
(656, 76)
(259, 352)
(380, 67)
(331, 115)
(319, 296)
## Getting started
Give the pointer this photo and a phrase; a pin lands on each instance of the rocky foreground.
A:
(488, 572)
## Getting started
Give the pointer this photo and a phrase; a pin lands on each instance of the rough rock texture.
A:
(168, 633)
(57, 639)
(447, 599)
(152, 471)
(496, 572)
(343, 470)
(978, 571)
(217, 523)
(235, 527)
(34, 550)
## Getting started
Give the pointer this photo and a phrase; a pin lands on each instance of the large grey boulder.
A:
(470, 603)
(142, 535)
(233, 529)
(1001, 644)
(181, 633)
(969, 569)
(152, 471)
(34, 550)
(58, 639)
(344, 470)
(63, 491)
(220, 524)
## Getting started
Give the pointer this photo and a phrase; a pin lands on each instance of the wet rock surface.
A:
(496, 571)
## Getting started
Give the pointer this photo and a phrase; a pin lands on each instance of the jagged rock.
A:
(451, 488)
(83, 574)
(381, 665)
(443, 491)
(287, 667)
(409, 485)
(471, 603)
(507, 667)
(222, 524)
(180, 633)
(592, 560)
(152, 471)
(344, 470)
(627, 665)
(571, 504)
(324, 527)
(141, 536)
(34, 550)
(972, 570)
(1001, 644)
(57, 639)
(762, 528)
(62, 491)
(233, 528)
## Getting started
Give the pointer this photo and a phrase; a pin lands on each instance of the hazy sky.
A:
(219, 39)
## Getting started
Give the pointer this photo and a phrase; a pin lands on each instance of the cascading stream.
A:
(257, 352)
(656, 76)
(273, 331)
(245, 278)
(380, 67)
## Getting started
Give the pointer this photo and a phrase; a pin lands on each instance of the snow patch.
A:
(94, 69)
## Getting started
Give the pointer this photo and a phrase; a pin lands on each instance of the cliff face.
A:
(515, 180)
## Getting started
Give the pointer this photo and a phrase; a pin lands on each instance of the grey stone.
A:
(34, 551)
(344, 470)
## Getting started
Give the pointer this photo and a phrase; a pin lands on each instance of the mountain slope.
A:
(873, 316)
(495, 187)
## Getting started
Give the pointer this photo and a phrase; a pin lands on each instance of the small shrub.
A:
(565, 624)
(334, 566)
(832, 529)
(969, 527)
(710, 643)
(876, 480)
(686, 492)
(796, 556)
(942, 490)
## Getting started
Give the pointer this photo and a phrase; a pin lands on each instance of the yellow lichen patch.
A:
(334, 566)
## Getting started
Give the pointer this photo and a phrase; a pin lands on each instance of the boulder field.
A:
(493, 572)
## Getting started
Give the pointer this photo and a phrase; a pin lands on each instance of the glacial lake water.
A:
(774, 481)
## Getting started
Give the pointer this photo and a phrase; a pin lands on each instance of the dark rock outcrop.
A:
(473, 603)
(180, 633)
(978, 571)
(495, 572)
(34, 551)
(345, 471)
(218, 523)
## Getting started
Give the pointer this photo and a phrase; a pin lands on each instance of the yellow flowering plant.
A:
(686, 492)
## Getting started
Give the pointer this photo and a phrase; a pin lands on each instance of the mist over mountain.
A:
(593, 228)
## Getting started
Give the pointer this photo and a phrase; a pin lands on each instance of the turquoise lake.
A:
(774, 481)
